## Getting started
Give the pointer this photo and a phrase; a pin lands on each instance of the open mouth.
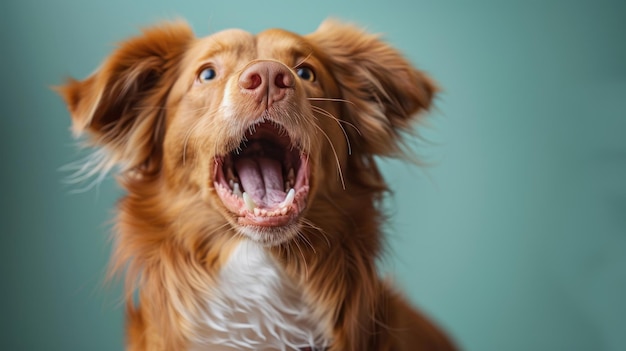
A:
(265, 180)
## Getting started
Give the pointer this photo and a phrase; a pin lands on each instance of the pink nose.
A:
(267, 81)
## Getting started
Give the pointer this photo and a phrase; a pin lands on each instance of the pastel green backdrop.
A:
(514, 238)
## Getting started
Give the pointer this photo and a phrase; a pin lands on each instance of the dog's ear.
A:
(384, 91)
(121, 105)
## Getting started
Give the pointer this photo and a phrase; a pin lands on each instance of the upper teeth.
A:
(291, 175)
(291, 179)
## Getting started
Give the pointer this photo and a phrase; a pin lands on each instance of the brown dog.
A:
(251, 220)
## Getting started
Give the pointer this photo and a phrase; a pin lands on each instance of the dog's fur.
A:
(179, 116)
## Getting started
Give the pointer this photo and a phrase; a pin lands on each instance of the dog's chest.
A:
(255, 307)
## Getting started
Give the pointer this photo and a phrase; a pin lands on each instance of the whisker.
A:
(316, 230)
(332, 146)
(330, 115)
(306, 240)
(330, 99)
(226, 224)
(303, 60)
(306, 266)
(238, 235)
(339, 120)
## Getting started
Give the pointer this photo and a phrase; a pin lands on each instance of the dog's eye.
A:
(306, 73)
(207, 74)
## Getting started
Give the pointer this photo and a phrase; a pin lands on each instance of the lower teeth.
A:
(251, 206)
(236, 190)
(247, 200)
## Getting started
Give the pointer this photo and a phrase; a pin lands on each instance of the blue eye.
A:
(207, 74)
(306, 73)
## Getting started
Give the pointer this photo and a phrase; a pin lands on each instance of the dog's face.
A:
(262, 128)
(246, 134)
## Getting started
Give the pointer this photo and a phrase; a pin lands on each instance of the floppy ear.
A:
(384, 90)
(121, 104)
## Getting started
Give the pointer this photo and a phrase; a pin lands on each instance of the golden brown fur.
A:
(164, 130)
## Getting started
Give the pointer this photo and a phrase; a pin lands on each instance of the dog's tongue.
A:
(262, 179)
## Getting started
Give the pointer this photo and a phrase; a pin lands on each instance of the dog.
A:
(251, 218)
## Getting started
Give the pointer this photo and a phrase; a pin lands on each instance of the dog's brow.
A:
(230, 41)
(216, 47)
(279, 42)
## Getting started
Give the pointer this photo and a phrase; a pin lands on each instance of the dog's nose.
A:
(267, 81)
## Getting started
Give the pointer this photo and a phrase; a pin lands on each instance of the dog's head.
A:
(262, 127)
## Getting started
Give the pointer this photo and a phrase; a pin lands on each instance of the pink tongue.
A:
(262, 179)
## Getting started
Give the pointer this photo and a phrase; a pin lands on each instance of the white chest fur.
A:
(255, 307)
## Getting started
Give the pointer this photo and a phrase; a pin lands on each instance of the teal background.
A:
(513, 238)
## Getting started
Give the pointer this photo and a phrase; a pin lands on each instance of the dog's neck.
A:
(243, 279)
(254, 306)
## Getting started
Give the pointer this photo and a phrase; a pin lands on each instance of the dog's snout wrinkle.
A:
(267, 81)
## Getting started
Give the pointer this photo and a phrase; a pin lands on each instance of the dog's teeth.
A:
(250, 205)
(288, 199)
(230, 175)
(236, 190)
(290, 181)
(291, 176)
